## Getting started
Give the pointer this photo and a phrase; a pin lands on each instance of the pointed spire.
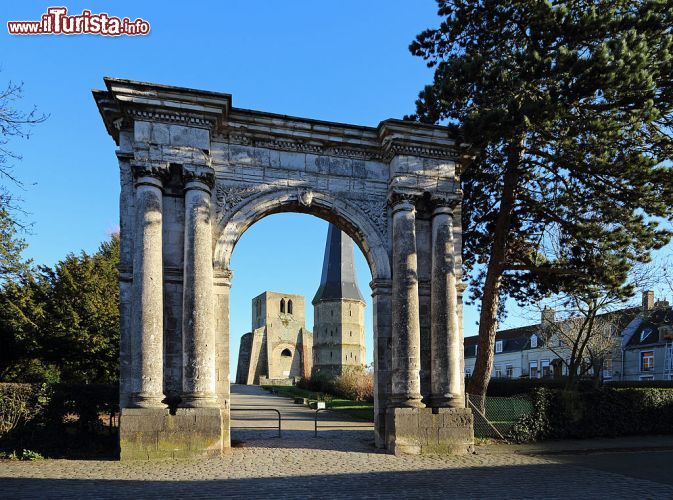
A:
(338, 269)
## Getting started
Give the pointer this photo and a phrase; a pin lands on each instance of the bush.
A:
(356, 384)
(318, 382)
(606, 412)
(19, 403)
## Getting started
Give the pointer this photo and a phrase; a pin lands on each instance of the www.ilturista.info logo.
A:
(56, 21)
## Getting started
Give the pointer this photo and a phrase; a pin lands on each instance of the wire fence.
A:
(494, 417)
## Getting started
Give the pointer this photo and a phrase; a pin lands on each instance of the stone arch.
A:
(342, 213)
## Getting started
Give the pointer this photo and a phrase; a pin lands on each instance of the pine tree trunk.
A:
(488, 316)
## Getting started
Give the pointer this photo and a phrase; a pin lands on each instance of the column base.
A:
(199, 400)
(147, 400)
(406, 402)
(153, 433)
(429, 431)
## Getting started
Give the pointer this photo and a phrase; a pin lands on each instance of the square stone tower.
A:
(278, 349)
(339, 310)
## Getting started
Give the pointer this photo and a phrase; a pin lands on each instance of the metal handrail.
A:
(333, 411)
(260, 409)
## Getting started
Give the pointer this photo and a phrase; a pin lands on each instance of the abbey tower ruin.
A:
(339, 310)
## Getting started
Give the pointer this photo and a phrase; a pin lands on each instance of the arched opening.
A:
(372, 265)
(282, 305)
(286, 353)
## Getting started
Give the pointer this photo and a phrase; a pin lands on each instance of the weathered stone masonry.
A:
(195, 174)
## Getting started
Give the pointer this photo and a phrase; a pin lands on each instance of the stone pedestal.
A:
(428, 431)
(153, 433)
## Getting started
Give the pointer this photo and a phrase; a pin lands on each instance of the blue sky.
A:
(343, 61)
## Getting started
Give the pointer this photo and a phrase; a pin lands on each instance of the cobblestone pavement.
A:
(338, 464)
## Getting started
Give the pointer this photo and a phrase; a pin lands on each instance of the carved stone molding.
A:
(305, 197)
(364, 153)
(393, 149)
(377, 212)
(227, 196)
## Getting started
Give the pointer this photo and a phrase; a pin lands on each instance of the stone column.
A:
(147, 325)
(382, 323)
(406, 381)
(446, 345)
(199, 380)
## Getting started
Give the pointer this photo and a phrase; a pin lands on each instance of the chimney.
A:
(548, 316)
(648, 300)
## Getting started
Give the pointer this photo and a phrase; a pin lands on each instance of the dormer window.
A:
(498, 346)
(533, 341)
(646, 333)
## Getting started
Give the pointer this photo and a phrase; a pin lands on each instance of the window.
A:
(468, 372)
(544, 366)
(607, 368)
(647, 361)
(286, 353)
(498, 371)
(282, 305)
(533, 341)
(289, 306)
(498, 346)
(350, 334)
(533, 373)
(330, 355)
(509, 371)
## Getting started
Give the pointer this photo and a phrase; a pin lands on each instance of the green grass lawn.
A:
(358, 409)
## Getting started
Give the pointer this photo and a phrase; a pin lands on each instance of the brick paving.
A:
(338, 464)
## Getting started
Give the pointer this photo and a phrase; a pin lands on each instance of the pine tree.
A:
(568, 106)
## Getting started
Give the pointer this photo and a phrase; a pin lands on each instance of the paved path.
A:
(339, 464)
(298, 421)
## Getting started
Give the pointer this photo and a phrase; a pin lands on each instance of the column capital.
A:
(381, 286)
(222, 277)
(145, 172)
(198, 177)
(401, 200)
(445, 203)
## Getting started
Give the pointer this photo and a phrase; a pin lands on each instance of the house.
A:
(642, 351)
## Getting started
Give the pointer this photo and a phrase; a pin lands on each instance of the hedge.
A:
(506, 387)
(607, 412)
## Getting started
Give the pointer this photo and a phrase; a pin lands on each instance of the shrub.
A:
(356, 384)
(19, 403)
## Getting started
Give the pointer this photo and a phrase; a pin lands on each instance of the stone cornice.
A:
(404, 138)
(128, 100)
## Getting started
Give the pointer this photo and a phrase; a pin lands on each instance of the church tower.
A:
(339, 310)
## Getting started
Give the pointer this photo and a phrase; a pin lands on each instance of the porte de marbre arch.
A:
(195, 174)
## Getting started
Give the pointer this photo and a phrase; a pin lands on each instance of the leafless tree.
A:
(588, 321)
